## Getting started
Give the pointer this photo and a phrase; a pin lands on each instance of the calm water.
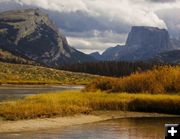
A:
(16, 92)
(134, 128)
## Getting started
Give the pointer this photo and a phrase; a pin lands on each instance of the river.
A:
(12, 92)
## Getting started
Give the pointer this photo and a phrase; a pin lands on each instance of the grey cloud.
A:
(172, 19)
(80, 21)
(87, 32)
(90, 44)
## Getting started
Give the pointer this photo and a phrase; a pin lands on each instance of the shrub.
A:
(159, 80)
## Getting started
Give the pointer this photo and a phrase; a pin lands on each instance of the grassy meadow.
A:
(28, 74)
(76, 102)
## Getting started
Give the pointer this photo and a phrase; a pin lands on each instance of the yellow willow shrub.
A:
(142, 83)
(159, 80)
(177, 85)
(168, 76)
(101, 83)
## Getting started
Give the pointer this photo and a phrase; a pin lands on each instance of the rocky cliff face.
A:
(143, 43)
(32, 34)
(148, 37)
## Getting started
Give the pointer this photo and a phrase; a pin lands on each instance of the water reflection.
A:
(135, 128)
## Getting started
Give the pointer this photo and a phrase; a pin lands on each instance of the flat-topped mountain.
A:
(155, 38)
(32, 34)
(142, 43)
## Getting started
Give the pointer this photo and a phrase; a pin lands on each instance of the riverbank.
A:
(69, 103)
(59, 122)
(47, 123)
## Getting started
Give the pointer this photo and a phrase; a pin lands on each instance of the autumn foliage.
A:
(159, 80)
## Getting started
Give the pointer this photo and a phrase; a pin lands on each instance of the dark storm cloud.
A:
(80, 21)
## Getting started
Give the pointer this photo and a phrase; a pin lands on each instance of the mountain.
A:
(30, 33)
(142, 43)
(153, 37)
(112, 53)
(96, 55)
(171, 57)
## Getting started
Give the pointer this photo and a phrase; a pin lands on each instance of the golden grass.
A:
(27, 74)
(160, 80)
(76, 102)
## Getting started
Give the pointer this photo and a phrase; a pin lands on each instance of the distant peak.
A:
(95, 53)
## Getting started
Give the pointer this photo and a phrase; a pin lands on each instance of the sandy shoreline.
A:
(42, 124)
(53, 123)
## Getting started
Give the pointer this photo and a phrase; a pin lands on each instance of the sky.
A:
(95, 25)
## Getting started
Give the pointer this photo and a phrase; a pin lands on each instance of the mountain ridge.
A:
(31, 33)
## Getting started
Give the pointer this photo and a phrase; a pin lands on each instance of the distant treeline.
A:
(110, 68)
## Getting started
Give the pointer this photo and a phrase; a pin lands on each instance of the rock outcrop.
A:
(32, 34)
